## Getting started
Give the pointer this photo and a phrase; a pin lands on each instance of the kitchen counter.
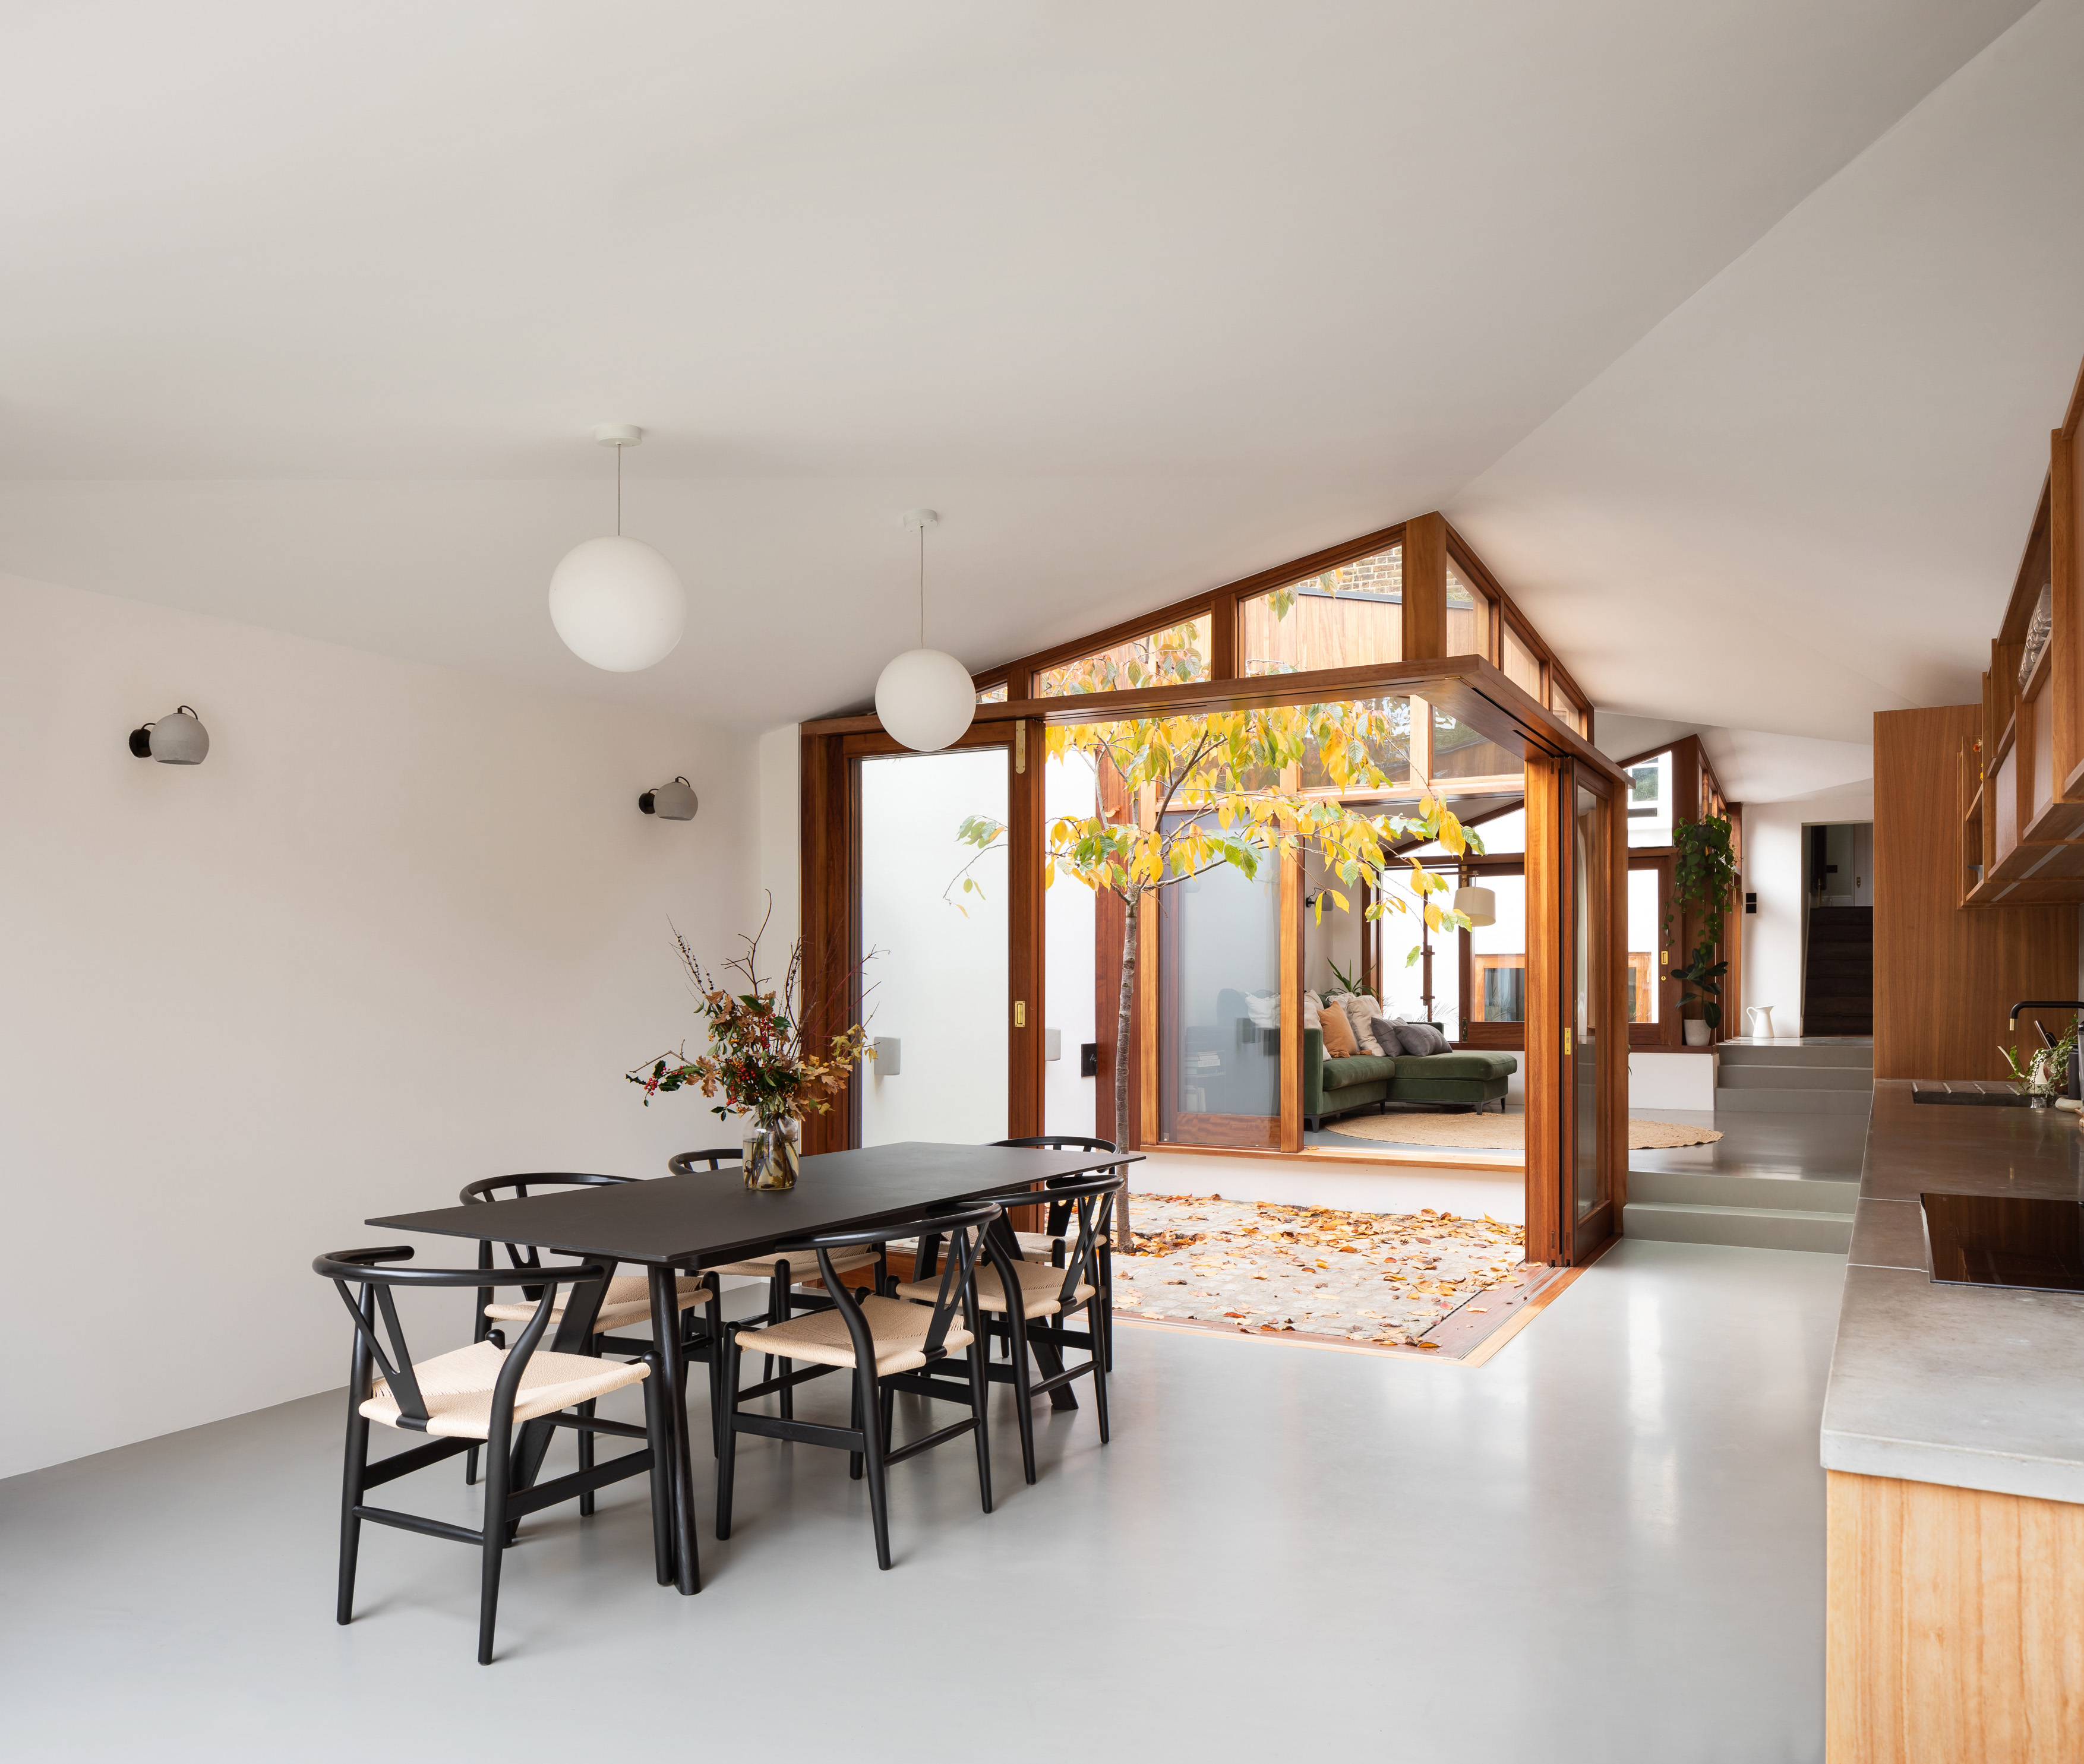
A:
(1969, 1387)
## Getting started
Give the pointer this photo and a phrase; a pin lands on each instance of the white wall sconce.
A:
(674, 801)
(178, 739)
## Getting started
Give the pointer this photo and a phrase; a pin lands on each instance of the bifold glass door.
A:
(1219, 1008)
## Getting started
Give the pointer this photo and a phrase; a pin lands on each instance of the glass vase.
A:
(773, 1150)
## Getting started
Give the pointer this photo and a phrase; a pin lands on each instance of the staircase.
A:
(1798, 1077)
(1776, 1204)
(1754, 1213)
(1838, 977)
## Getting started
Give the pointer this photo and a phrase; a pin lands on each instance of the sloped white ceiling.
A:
(307, 312)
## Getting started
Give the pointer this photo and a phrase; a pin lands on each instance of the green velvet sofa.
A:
(1470, 1076)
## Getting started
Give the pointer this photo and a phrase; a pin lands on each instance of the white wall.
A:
(404, 927)
(1774, 857)
(782, 829)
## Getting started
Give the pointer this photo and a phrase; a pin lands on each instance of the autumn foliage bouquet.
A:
(762, 1060)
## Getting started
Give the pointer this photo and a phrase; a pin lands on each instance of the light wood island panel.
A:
(1955, 1625)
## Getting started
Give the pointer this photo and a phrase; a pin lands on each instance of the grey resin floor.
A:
(1825, 1148)
(1606, 1544)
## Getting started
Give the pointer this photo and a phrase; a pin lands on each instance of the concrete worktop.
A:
(1973, 1387)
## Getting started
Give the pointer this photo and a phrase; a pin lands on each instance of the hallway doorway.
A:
(1838, 930)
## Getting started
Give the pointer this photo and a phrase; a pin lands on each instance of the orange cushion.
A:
(1338, 1033)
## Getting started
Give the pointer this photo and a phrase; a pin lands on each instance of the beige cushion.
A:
(457, 1387)
(1361, 1011)
(803, 1268)
(899, 1330)
(628, 1300)
(1040, 1285)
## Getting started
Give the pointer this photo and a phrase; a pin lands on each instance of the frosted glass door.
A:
(935, 979)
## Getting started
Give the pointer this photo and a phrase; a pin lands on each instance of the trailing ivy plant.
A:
(1704, 877)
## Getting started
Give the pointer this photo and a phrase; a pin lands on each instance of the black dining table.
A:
(674, 1224)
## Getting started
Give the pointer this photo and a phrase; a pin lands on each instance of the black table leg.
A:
(575, 1335)
(673, 1373)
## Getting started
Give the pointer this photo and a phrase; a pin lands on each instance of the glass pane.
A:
(1348, 617)
(993, 695)
(1522, 666)
(1588, 900)
(936, 981)
(1376, 734)
(1497, 956)
(1401, 943)
(1649, 801)
(1468, 616)
(1218, 1012)
(1570, 710)
(1459, 752)
(1169, 657)
(1501, 835)
(1070, 919)
(1645, 930)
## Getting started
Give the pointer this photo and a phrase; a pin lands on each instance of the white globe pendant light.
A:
(925, 697)
(617, 602)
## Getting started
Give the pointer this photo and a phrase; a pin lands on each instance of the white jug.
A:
(1758, 1021)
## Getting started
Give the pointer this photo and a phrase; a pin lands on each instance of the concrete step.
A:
(1785, 1101)
(1737, 1077)
(1747, 1228)
(1773, 1194)
(1795, 1054)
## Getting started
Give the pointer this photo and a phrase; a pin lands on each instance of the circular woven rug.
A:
(1501, 1132)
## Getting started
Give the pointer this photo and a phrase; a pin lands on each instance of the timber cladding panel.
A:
(1945, 975)
(1954, 1625)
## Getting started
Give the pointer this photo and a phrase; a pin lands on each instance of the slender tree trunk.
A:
(1132, 902)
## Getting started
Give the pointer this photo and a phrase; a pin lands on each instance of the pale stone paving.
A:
(1381, 1278)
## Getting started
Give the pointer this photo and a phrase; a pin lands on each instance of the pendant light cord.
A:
(618, 491)
(922, 587)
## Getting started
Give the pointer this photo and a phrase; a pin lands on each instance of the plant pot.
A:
(772, 1153)
(1698, 1034)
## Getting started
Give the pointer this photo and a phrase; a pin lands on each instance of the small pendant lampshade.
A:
(617, 602)
(1479, 906)
(925, 697)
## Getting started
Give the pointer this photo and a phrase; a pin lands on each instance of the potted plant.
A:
(767, 1065)
(1704, 877)
(2045, 1074)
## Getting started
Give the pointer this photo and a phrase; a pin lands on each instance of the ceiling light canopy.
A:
(925, 697)
(617, 602)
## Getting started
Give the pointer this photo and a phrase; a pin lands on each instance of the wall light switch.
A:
(1089, 1059)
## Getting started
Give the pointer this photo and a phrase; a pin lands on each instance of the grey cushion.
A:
(1418, 1038)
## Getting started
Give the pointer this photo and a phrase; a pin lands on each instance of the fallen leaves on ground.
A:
(1383, 1277)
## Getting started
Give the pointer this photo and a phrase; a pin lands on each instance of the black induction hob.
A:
(2004, 1240)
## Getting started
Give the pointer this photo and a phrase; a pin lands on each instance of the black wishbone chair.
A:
(1047, 1296)
(888, 1345)
(477, 1396)
(782, 1274)
(1049, 1245)
(627, 1302)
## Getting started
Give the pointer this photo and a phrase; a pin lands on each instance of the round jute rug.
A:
(1501, 1132)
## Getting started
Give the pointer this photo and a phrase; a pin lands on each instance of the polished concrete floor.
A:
(1606, 1544)
(1821, 1148)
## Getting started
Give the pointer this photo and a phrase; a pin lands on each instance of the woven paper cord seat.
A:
(457, 1388)
(801, 1267)
(628, 1300)
(899, 1330)
(1042, 1286)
